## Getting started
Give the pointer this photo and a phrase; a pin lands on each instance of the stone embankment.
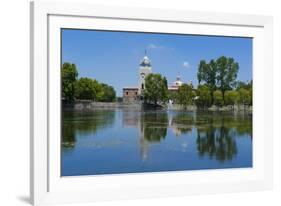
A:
(90, 105)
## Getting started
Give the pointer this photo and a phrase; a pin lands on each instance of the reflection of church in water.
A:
(153, 127)
(133, 94)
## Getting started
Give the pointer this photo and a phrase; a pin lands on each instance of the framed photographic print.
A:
(136, 103)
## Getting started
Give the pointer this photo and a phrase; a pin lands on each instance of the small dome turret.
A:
(178, 82)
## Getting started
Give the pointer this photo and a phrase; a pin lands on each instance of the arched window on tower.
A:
(142, 86)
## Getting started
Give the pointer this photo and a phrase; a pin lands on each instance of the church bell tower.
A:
(144, 70)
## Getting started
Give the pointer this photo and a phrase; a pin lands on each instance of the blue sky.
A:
(113, 57)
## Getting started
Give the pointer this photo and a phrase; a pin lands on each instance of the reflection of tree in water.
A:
(216, 142)
(216, 135)
(83, 122)
(240, 123)
(68, 135)
(216, 132)
(245, 126)
(154, 126)
(182, 123)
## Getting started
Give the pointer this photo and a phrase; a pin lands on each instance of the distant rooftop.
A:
(173, 88)
(130, 88)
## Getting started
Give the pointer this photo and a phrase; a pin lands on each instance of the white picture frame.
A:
(47, 186)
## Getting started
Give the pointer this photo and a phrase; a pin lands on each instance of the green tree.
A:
(244, 96)
(207, 73)
(155, 89)
(108, 93)
(165, 82)
(69, 77)
(173, 96)
(245, 90)
(88, 89)
(227, 70)
(244, 85)
(251, 96)
(218, 99)
(231, 97)
(203, 98)
(185, 95)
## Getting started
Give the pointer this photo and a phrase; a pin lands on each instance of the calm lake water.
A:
(120, 141)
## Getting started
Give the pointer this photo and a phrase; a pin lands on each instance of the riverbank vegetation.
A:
(219, 77)
(83, 88)
(218, 86)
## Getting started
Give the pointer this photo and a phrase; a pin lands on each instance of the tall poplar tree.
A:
(227, 70)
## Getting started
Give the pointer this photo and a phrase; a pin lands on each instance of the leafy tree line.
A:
(239, 95)
(84, 88)
(202, 96)
(218, 86)
(219, 74)
(219, 78)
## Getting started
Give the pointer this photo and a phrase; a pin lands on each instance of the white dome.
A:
(178, 82)
(145, 61)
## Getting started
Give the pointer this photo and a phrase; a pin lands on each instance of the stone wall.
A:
(232, 108)
(130, 95)
(235, 108)
(90, 105)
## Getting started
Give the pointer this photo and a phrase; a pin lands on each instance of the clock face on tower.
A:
(142, 75)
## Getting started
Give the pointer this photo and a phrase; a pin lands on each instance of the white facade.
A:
(177, 83)
(144, 70)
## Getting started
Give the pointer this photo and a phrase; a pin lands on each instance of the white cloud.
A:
(154, 46)
(185, 64)
(151, 46)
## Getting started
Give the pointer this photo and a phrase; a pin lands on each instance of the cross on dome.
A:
(145, 61)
